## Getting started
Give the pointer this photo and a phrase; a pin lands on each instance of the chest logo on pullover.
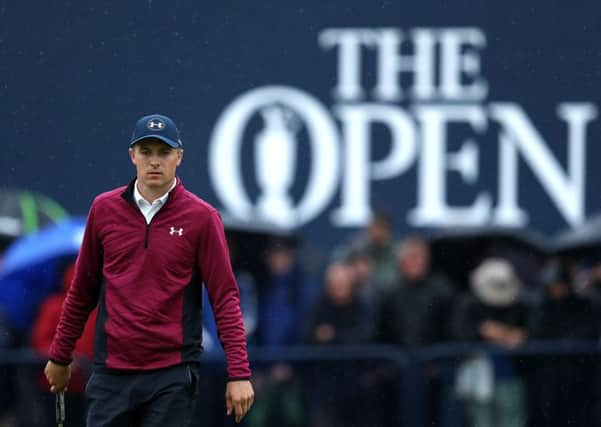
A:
(178, 231)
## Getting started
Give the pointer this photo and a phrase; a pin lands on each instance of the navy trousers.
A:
(164, 397)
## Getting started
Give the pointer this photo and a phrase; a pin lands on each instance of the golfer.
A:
(147, 249)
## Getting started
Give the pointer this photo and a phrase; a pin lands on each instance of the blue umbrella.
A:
(23, 212)
(30, 269)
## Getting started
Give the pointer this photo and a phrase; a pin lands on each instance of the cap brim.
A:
(167, 141)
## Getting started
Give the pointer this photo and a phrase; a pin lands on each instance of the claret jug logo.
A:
(275, 156)
(426, 79)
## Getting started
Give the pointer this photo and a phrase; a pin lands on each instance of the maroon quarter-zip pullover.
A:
(146, 280)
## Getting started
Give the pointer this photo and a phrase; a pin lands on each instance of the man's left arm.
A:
(216, 270)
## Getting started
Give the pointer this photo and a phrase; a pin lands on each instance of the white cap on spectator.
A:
(495, 283)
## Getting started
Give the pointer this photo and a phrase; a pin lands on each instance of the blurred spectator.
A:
(284, 296)
(45, 325)
(492, 393)
(340, 317)
(280, 403)
(7, 398)
(377, 241)
(563, 314)
(563, 385)
(589, 282)
(41, 337)
(362, 269)
(415, 313)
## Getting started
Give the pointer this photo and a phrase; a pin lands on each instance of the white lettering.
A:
(349, 43)
(440, 69)
(357, 119)
(508, 212)
(432, 208)
(391, 63)
(456, 64)
(518, 134)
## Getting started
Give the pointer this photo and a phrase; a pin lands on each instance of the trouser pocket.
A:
(192, 376)
(89, 384)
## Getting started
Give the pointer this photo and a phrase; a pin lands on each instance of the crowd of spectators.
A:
(378, 290)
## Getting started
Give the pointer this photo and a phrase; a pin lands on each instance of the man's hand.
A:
(502, 334)
(58, 376)
(325, 333)
(239, 397)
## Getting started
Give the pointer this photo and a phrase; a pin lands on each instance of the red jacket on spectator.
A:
(45, 325)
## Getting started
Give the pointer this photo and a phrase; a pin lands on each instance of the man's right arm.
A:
(82, 296)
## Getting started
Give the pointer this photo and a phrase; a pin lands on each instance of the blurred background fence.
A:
(369, 386)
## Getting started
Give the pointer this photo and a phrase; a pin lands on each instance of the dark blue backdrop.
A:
(74, 76)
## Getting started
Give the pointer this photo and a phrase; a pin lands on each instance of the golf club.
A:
(60, 408)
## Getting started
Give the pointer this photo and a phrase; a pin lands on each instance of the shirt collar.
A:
(140, 199)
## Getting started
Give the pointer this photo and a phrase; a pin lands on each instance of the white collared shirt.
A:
(149, 210)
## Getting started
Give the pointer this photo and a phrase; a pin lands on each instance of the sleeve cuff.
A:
(60, 362)
(231, 379)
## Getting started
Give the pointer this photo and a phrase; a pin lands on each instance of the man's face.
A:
(379, 233)
(414, 262)
(339, 284)
(155, 163)
(558, 290)
(279, 260)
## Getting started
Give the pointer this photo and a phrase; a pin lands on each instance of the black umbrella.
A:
(248, 241)
(457, 252)
(23, 212)
(582, 243)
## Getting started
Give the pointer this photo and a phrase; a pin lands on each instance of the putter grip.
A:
(60, 408)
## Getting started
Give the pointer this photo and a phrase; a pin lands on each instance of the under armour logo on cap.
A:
(158, 127)
(155, 124)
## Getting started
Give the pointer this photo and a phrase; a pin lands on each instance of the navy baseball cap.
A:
(159, 127)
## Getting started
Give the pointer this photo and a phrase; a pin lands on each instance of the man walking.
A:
(147, 249)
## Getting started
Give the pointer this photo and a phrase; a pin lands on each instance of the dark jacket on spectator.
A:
(470, 313)
(283, 300)
(565, 386)
(415, 313)
(352, 323)
(574, 317)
